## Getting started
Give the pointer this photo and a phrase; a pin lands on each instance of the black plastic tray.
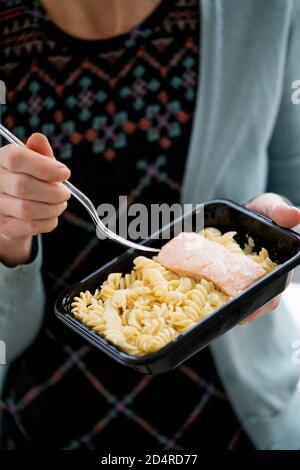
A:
(282, 244)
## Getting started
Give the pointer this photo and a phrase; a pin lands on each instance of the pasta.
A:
(146, 309)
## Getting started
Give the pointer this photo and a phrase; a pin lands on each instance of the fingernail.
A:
(61, 165)
(64, 172)
(247, 320)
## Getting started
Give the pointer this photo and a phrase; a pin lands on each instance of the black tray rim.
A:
(127, 359)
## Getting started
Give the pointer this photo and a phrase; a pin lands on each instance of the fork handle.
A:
(83, 199)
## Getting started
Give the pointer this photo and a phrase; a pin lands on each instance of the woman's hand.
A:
(31, 196)
(273, 206)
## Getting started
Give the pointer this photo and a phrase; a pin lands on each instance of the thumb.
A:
(40, 144)
(273, 206)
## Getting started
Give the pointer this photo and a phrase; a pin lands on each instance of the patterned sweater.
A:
(119, 113)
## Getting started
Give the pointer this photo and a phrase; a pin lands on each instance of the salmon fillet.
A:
(190, 254)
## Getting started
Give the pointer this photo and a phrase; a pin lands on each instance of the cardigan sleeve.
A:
(22, 301)
(284, 147)
(258, 369)
(255, 361)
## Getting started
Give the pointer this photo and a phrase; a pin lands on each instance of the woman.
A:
(133, 104)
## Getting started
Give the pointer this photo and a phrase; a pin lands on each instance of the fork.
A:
(85, 201)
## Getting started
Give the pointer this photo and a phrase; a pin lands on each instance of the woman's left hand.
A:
(273, 206)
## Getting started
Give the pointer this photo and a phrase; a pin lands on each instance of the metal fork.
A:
(85, 201)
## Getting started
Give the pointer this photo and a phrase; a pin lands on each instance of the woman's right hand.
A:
(31, 196)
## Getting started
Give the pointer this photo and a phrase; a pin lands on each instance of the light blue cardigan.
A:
(246, 140)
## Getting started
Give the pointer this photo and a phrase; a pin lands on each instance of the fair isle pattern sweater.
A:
(119, 113)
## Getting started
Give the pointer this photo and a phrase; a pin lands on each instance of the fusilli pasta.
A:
(143, 311)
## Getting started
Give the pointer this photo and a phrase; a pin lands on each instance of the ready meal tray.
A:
(282, 244)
